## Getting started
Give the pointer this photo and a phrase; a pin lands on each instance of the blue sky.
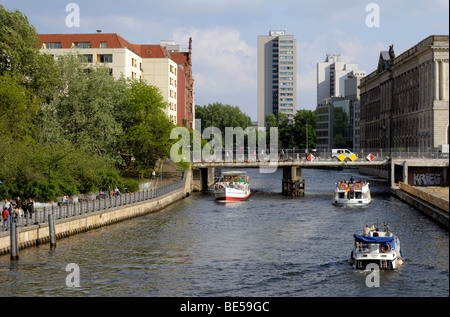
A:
(224, 34)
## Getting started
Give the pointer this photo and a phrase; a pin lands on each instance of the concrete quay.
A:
(40, 233)
(430, 201)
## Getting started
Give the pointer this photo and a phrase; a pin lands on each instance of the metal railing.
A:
(86, 206)
(294, 154)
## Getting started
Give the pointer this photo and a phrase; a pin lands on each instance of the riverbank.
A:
(431, 201)
(40, 233)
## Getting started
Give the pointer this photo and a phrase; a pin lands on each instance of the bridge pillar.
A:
(203, 179)
(292, 184)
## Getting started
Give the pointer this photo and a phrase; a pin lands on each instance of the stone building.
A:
(405, 101)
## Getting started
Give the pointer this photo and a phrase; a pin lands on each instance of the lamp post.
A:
(306, 127)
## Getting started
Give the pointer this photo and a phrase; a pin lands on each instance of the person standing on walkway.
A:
(153, 175)
(5, 218)
(19, 206)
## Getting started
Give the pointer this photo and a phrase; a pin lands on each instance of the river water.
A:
(267, 246)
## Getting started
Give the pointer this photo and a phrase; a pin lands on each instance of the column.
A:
(204, 179)
(436, 80)
(442, 80)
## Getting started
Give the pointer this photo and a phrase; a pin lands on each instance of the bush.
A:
(129, 184)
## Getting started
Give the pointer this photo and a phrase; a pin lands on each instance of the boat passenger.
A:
(377, 233)
(366, 231)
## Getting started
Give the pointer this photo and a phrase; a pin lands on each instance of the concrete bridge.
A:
(397, 166)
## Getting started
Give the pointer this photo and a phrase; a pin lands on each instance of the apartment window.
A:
(82, 44)
(106, 58)
(103, 44)
(51, 45)
(87, 58)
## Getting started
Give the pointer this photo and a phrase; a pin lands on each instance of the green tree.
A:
(285, 135)
(86, 110)
(18, 108)
(222, 116)
(147, 129)
(305, 129)
(20, 56)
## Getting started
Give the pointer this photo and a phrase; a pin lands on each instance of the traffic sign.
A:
(310, 157)
(370, 157)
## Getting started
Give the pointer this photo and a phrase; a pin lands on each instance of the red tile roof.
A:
(113, 41)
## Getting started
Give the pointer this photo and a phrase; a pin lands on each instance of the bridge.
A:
(292, 161)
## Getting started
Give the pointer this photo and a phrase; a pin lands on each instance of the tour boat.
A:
(232, 186)
(378, 247)
(352, 193)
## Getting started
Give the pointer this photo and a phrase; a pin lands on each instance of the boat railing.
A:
(364, 247)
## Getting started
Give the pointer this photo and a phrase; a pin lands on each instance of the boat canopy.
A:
(369, 239)
(234, 173)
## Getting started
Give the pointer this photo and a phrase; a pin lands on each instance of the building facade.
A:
(405, 101)
(151, 63)
(186, 96)
(277, 75)
(337, 112)
(331, 76)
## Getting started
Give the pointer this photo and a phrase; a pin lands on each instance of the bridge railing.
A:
(301, 154)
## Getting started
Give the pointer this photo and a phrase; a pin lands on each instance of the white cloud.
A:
(222, 62)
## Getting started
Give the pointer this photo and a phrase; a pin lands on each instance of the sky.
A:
(224, 34)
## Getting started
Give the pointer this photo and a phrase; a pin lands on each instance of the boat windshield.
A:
(235, 178)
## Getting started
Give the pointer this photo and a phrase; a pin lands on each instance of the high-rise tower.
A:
(277, 75)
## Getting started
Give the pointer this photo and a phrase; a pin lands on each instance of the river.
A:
(267, 246)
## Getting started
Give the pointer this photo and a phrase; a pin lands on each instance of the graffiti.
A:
(427, 179)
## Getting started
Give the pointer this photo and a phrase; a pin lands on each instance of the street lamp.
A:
(306, 127)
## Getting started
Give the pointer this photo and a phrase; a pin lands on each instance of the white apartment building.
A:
(151, 63)
(337, 87)
(277, 75)
(331, 76)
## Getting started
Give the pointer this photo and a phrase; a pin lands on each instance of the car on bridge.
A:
(337, 152)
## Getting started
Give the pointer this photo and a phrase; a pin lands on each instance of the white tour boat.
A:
(352, 193)
(380, 248)
(232, 186)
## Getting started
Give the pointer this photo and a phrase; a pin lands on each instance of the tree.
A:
(305, 129)
(281, 122)
(85, 110)
(18, 108)
(147, 129)
(222, 116)
(20, 56)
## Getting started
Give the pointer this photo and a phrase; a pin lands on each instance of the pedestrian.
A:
(5, 218)
(65, 200)
(18, 203)
(18, 209)
(153, 175)
(6, 204)
(25, 209)
(30, 208)
(116, 191)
